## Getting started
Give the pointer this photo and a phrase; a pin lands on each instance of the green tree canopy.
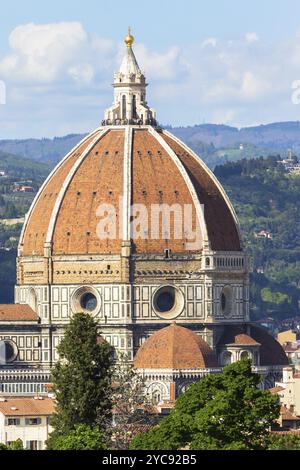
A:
(82, 377)
(82, 437)
(280, 441)
(223, 411)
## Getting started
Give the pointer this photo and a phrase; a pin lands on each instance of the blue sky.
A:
(220, 61)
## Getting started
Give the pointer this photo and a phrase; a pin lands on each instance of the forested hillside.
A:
(266, 199)
(216, 144)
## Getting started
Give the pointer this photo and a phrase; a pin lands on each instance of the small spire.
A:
(129, 39)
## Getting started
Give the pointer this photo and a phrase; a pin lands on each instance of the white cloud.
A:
(209, 42)
(39, 53)
(166, 66)
(251, 37)
(253, 86)
(70, 72)
(82, 74)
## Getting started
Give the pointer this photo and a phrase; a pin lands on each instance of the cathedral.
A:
(132, 228)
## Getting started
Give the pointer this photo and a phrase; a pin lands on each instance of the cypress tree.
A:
(82, 377)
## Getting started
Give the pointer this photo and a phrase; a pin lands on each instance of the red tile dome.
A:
(175, 347)
(144, 165)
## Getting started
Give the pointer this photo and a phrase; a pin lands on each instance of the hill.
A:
(41, 150)
(16, 166)
(266, 199)
(215, 143)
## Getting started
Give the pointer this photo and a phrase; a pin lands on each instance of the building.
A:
(288, 389)
(292, 351)
(291, 163)
(134, 229)
(264, 234)
(287, 420)
(24, 189)
(27, 419)
(289, 336)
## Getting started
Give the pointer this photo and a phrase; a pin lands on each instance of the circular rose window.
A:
(8, 351)
(168, 302)
(86, 299)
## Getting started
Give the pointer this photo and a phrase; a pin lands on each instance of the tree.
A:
(284, 442)
(82, 377)
(16, 445)
(82, 437)
(131, 407)
(223, 411)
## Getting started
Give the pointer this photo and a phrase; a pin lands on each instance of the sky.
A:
(219, 61)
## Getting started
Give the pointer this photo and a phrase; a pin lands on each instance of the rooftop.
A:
(24, 406)
(175, 347)
(17, 312)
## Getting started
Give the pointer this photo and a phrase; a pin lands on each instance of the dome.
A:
(140, 166)
(233, 336)
(271, 352)
(175, 347)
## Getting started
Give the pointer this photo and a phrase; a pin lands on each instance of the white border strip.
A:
(127, 183)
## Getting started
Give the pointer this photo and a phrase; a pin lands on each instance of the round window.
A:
(86, 299)
(88, 302)
(8, 351)
(168, 302)
(165, 301)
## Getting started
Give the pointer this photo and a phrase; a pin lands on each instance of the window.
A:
(245, 355)
(86, 299)
(13, 422)
(168, 302)
(226, 301)
(8, 351)
(134, 107)
(123, 107)
(156, 397)
(34, 445)
(223, 301)
(227, 358)
(165, 301)
(88, 302)
(33, 421)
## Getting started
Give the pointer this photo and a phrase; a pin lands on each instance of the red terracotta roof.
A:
(234, 336)
(276, 389)
(286, 415)
(99, 178)
(23, 406)
(17, 312)
(175, 347)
